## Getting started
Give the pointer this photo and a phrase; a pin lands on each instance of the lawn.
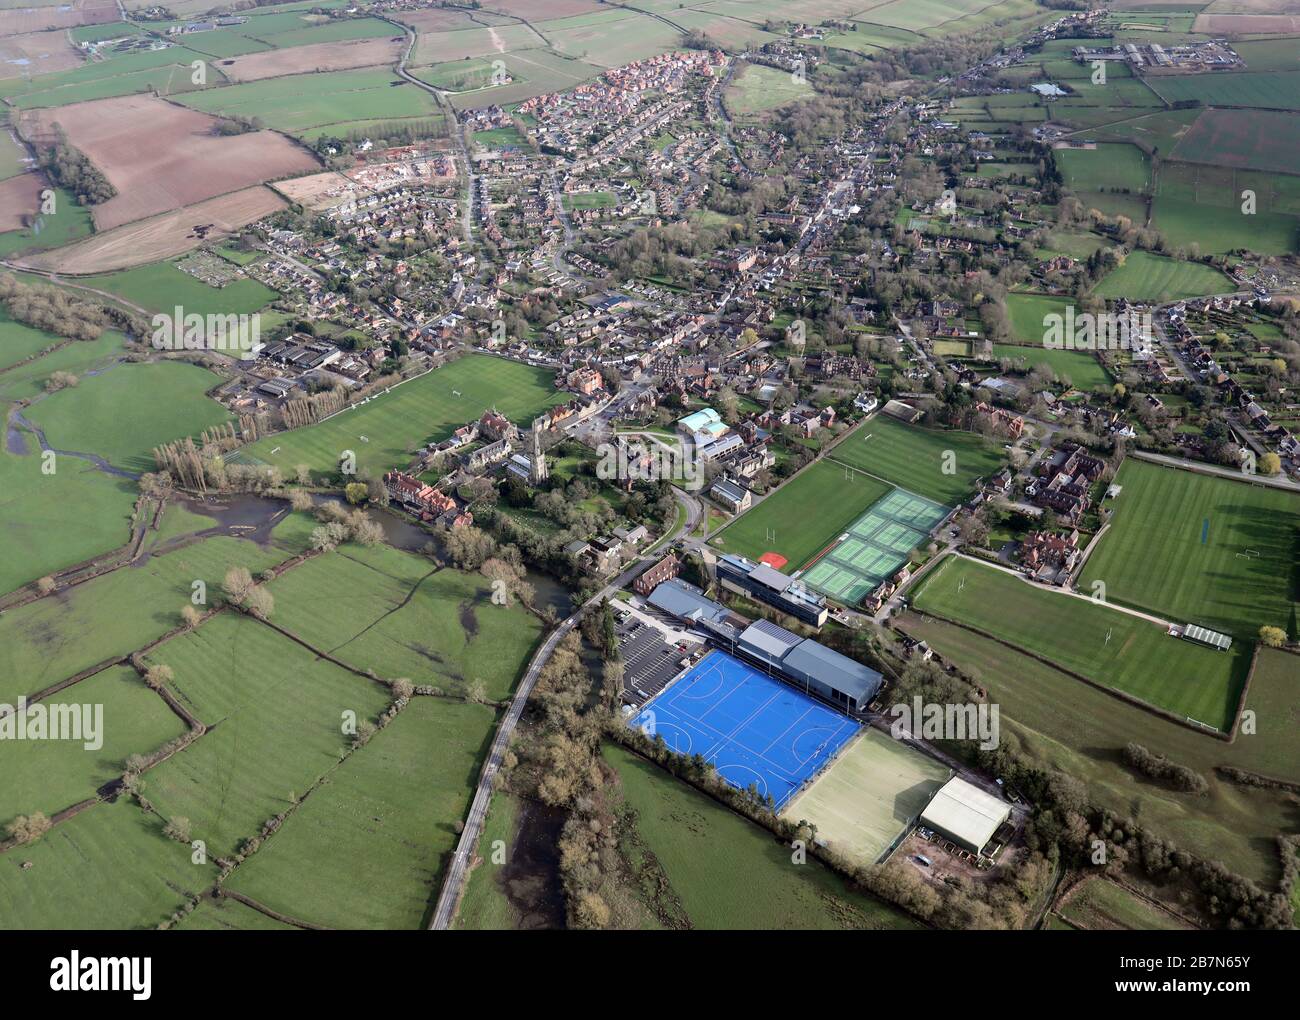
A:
(1060, 723)
(1182, 544)
(50, 775)
(711, 861)
(398, 614)
(1099, 905)
(874, 789)
(1105, 645)
(124, 413)
(384, 430)
(274, 714)
(804, 515)
(916, 459)
(1028, 313)
(380, 830)
(1147, 277)
(109, 867)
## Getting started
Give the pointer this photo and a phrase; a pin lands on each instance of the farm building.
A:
(965, 814)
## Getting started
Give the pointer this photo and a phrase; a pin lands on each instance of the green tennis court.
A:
(875, 546)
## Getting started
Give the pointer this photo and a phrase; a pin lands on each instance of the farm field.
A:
(319, 57)
(380, 829)
(1147, 277)
(166, 72)
(19, 342)
(165, 236)
(225, 914)
(1181, 544)
(1278, 90)
(124, 413)
(109, 867)
(400, 615)
(384, 430)
(79, 356)
(912, 457)
(1245, 139)
(1058, 722)
(55, 521)
(299, 102)
(1080, 367)
(870, 793)
(762, 88)
(713, 859)
(1139, 658)
(1099, 905)
(1200, 204)
(115, 134)
(69, 222)
(1108, 167)
(50, 775)
(161, 286)
(821, 496)
(52, 639)
(274, 715)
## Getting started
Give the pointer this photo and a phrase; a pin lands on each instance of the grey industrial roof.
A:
(685, 602)
(851, 678)
(770, 576)
(963, 810)
(769, 638)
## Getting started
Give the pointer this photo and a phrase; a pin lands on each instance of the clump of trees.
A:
(1160, 768)
(52, 310)
(72, 170)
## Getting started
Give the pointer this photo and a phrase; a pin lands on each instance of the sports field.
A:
(874, 547)
(875, 788)
(1081, 730)
(384, 430)
(916, 459)
(755, 730)
(804, 515)
(1080, 367)
(1201, 549)
(1105, 645)
(1147, 277)
(1108, 167)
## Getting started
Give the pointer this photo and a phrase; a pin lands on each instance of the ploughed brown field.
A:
(160, 156)
(36, 53)
(20, 198)
(1246, 24)
(331, 56)
(15, 21)
(160, 237)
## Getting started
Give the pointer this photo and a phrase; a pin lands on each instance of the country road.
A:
(453, 885)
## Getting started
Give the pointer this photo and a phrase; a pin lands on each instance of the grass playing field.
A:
(873, 790)
(380, 830)
(1138, 657)
(1079, 367)
(1105, 168)
(1147, 277)
(915, 458)
(394, 612)
(712, 860)
(384, 431)
(274, 714)
(1201, 549)
(761, 88)
(123, 413)
(1027, 313)
(804, 515)
(1060, 723)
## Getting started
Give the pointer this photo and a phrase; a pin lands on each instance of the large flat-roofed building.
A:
(686, 602)
(819, 670)
(965, 814)
(767, 584)
(704, 426)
